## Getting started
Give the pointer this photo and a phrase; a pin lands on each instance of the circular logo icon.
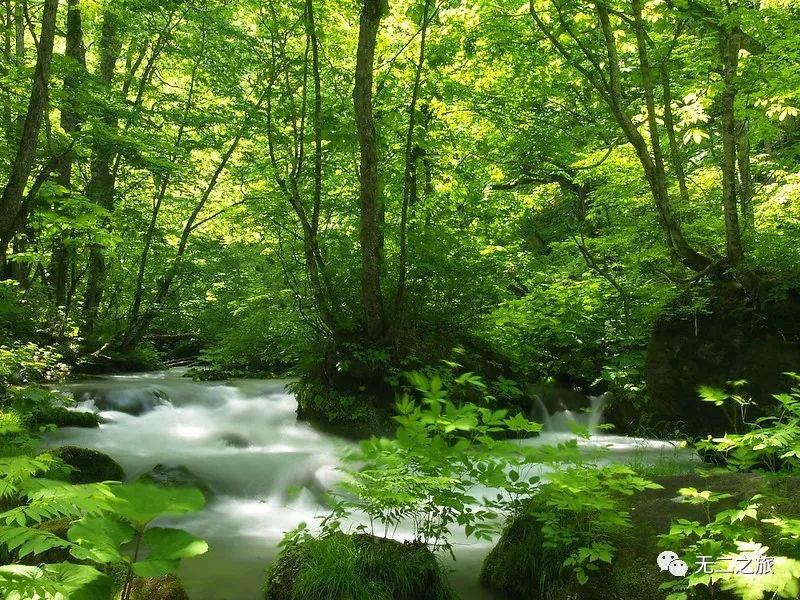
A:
(678, 568)
(665, 558)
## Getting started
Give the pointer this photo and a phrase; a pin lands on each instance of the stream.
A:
(266, 470)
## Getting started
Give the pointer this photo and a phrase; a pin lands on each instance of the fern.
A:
(29, 540)
(16, 470)
(54, 582)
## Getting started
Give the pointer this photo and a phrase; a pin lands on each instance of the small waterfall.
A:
(566, 420)
(540, 414)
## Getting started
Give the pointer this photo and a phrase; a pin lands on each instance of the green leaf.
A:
(140, 502)
(99, 539)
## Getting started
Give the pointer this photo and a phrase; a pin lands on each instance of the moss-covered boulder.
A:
(728, 339)
(357, 567)
(63, 417)
(521, 568)
(176, 476)
(166, 587)
(86, 465)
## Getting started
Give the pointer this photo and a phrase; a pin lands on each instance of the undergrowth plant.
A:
(107, 525)
(580, 513)
(726, 554)
(443, 454)
(459, 464)
(771, 443)
(108, 528)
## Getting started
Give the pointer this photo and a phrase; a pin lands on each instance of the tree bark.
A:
(410, 172)
(370, 202)
(745, 175)
(102, 182)
(12, 219)
(75, 52)
(730, 45)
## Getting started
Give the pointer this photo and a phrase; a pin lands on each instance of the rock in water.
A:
(728, 341)
(363, 566)
(87, 466)
(235, 440)
(132, 401)
(176, 476)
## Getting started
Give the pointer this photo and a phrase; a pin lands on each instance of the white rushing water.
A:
(266, 470)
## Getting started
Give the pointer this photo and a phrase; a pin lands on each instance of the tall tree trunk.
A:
(70, 122)
(730, 45)
(410, 171)
(102, 183)
(19, 32)
(12, 219)
(745, 175)
(7, 56)
(371, 234)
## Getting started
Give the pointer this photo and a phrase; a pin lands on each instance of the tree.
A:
(371, 207)
(14, 202)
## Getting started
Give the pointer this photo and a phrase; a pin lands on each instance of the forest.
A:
(399, 300)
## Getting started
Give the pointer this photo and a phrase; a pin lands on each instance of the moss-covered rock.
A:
(62, 417)
(521, 568)
(176, 476)
(166, 587)
(729, 340)
(357, 567)
(86, 465)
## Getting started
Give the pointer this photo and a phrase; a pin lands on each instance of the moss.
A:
(87, 466)
(521, 568)
(61, 417)
(166, 587)
(356, 567)
(177, 476)
(726, 342)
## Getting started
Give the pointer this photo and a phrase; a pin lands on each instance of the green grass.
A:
(356, 567)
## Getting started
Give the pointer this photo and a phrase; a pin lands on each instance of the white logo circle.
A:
(665, 558)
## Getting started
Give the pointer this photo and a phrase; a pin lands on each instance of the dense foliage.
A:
(542, 181)
(602, 195)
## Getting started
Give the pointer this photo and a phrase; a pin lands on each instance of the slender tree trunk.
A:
(102, 184)
(7, 56)
(75, 52)
(133, 333)
(658, 174)
(676, 157)
(745, 176)
(19, 32)
(410, 171)
(12, 200)
(319, 281)
(730, 45)
(370, 235)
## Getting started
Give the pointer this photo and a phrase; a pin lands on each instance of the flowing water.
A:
(266, 470)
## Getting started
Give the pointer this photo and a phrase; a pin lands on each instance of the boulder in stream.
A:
(134, 401)
(87, 466)
(356, 566)
(176, 476)
(63, 417)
